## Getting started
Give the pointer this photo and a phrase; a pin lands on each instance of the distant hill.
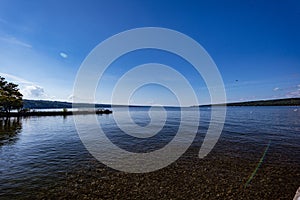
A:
(42, 104)
(273, 102)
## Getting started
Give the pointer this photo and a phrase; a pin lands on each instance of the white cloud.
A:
(38, 67)
(15, 41)
(275, 89)
(33, 91)
(298, 85)
(29, 89)
(63, 55)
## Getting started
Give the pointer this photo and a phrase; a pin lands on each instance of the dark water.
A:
(256, 157)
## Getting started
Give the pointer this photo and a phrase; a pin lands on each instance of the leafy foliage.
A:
(10, 97)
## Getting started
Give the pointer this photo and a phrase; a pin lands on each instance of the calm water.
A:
(39, 156)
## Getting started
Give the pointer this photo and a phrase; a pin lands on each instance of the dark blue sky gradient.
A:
(254, 42)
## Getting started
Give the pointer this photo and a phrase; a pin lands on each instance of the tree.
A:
(10, 97)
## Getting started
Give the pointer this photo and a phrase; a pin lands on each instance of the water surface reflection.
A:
(9, 129)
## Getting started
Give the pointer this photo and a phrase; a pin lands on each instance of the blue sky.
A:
(255, 45)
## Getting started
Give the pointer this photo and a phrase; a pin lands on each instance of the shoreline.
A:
(44, 104)
(54, 113)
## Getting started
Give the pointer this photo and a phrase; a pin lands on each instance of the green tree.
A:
(10, 97)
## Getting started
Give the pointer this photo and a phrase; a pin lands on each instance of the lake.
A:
(256, 157)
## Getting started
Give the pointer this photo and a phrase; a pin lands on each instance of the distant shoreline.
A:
(43, 104)
(273, 102)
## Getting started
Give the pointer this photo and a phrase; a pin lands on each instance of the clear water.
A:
(37, 153)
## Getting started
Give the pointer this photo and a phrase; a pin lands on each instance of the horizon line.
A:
(175, 106)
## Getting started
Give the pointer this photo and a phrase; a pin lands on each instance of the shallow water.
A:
(43, 157)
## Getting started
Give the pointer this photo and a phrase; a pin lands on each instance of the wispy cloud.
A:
(14, 41)
(63, 55)
(71, 97)
(275, 89)
(29, 89)
(79, 99)
(292, 94)
(16, 79)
